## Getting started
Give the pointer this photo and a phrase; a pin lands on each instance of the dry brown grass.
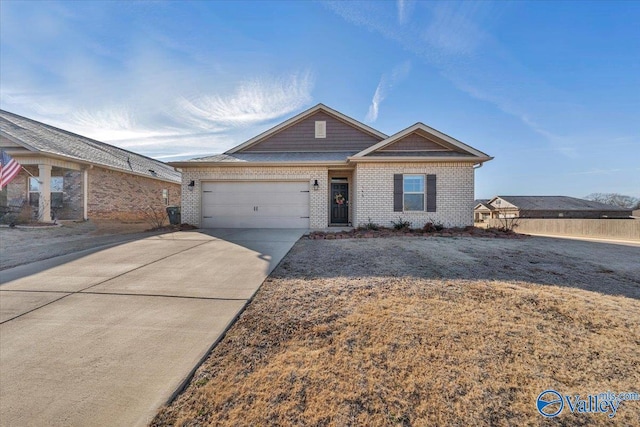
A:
(380, 351)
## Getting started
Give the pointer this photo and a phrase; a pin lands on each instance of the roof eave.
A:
(421, 126)
(431, 159)
(17, 154)
(207, 164)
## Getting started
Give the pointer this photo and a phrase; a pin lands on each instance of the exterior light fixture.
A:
(316, 186)
(191, 185)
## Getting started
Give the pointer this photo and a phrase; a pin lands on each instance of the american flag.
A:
(9, 168)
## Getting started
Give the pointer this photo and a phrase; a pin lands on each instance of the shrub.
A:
(401, 224)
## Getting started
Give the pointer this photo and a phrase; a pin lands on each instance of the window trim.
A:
(423, 192)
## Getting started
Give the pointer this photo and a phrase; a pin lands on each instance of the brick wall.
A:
(122, 196)
(454, 186)
(318, 212)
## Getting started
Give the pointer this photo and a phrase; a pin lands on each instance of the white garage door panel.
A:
(255, 204)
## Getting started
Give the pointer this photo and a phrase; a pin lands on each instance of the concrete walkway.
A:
(105, 337)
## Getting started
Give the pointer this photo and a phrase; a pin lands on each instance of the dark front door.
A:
(339, 203)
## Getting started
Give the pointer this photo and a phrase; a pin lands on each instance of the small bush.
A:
(401, 224)
(370, 225)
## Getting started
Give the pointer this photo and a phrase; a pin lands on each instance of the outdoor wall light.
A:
(316, 185)
(191, 185)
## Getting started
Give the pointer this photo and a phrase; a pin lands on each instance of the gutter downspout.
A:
(85, 176)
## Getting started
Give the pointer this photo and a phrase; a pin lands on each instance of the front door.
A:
(339, 203)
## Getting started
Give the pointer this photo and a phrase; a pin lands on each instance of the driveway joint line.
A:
(99, 283)
(123, 294)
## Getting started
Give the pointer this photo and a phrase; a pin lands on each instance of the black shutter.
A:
(397, 192)
(431, 193)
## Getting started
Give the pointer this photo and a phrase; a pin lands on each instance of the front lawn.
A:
(434, 331)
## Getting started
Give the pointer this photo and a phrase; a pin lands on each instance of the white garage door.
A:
(281, 204)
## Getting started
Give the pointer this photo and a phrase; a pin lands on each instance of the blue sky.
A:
(550, 89)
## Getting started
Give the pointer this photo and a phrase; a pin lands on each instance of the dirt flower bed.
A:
(360, 233)
(454, 332)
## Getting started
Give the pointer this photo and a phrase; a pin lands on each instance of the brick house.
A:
(72, 177)
(322, 168)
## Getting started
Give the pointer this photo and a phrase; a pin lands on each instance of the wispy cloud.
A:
(253, 101)
(387, 83)
(205, 124)
(404, 10)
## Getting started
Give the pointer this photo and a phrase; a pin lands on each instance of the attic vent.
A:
(152, 172)
(321, 129)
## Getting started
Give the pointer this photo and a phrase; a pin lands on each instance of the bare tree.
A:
(615, 199)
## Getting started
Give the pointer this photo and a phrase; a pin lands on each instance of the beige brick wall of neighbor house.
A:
(454, 200)
(121, 196)
(191, 209)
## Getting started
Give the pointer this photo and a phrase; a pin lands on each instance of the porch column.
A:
(44, 203)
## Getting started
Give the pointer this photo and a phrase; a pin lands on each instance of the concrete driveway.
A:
(105, 337)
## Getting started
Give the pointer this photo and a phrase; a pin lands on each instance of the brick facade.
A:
(370, 195)
(122, 196)
(112, 195)
(454, 200)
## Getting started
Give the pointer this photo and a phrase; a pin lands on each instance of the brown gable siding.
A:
(301, 137)
(415, 142)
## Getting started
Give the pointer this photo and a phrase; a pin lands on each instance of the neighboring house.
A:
(482, 210)
(74, 177)
(636, 214)
(322, 168)
(550, 207)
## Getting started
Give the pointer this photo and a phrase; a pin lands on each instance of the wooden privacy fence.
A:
(625, 229)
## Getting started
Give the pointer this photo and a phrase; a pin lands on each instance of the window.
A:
(413, 189)
(165, 197)
(321, 129)
(57, 194)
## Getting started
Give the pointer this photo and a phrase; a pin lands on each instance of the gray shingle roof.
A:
(48, 139)
(565, 203)
(277, 157)
(419, 154)
(483, 202)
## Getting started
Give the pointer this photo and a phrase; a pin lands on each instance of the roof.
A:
(553, 203)
(460, 149)
(482, 203)
(299, 117)
(40, 137)
(275, 157)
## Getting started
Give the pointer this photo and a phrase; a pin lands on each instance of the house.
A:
(482, 210)
(322, 168)
(549, 207)
(68, 176)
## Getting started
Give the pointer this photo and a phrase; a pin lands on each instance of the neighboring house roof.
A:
(38, 137)
(483, 203)
(556, 203)
(293, 142)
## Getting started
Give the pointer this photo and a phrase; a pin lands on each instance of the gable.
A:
(301, 136)
(420, 143)
(500, 203)
(415, 142)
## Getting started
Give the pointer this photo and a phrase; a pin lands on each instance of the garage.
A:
(250, 204)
